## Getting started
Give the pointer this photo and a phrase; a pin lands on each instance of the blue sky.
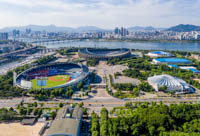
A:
(101, 13)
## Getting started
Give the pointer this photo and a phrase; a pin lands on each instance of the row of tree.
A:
(67, 51)
(6, 86)
(148, 120)
(92, 62)
(42, 94)
(45, 60)
(7, 114)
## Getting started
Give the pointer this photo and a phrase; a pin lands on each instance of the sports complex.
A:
(100, 53)
(52, 76)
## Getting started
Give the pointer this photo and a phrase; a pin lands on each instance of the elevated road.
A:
(14, 53)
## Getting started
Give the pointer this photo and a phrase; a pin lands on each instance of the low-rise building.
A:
(67, 123)
(156, 54)
(171, 61)
(196, 56)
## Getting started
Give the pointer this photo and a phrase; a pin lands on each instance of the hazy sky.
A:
(101, 13)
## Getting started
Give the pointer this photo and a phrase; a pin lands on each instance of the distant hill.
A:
(148, 28)
(90, 28)
(184, 28)
(53, 28)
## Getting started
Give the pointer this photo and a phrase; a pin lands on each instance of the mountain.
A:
(184, 28)
(53, 28)
(148, 28)
(90, 28)
(38, 28)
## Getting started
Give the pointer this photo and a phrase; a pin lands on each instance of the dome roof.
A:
(172, 83)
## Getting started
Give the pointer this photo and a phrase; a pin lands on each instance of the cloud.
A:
(102, 13)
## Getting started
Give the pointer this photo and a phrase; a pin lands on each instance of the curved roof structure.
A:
(160, 54)
(172, 83)
(103, 53)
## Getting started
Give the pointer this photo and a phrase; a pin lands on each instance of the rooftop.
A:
(66, 126)
(173, 60)
(77, 113)
(161, 53)
(172, 83)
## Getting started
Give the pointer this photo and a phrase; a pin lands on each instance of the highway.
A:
(99, 102)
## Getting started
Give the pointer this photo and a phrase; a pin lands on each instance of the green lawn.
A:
(52, 81)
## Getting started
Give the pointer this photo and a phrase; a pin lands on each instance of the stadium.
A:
(103, 54)
(52, 76)
(172, 83)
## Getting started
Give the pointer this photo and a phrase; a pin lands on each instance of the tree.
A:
(89, 88)
(6, 114)
(29, 111)
(41, 104)
(136, 91)
(81, 104)
(95, 133)
(104, 122)
(35, 111)
(80, 85)
(61, 105)
(85, 111)
(40, 111)
(86, 93)
(162, 88)
(53, 114)
(35, 104)
(11, 109)
(94, 124)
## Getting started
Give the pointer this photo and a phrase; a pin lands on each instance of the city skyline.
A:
(127, 13)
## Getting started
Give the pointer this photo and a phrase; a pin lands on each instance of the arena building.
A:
(172, 84)
(156, 54)
(52, 76)
(67, 123)
(103, 54)
(171, 61)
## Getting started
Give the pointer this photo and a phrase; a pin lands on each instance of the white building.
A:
(156, 54)
(172, 84)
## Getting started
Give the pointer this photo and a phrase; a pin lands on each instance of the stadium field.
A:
(52, 81)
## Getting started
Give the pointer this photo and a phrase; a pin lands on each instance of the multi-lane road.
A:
(97, 102)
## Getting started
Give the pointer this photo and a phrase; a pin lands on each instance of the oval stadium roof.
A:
(172, 83)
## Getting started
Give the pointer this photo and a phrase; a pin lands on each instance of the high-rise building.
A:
(3, 36)
(117, 30)
(28, 31)
(122, 31)
(16, 33)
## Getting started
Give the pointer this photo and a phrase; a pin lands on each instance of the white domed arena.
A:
(172, 83)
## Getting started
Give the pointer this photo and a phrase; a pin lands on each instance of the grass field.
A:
(52, 81)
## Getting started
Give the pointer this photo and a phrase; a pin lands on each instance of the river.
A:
(181, 46)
